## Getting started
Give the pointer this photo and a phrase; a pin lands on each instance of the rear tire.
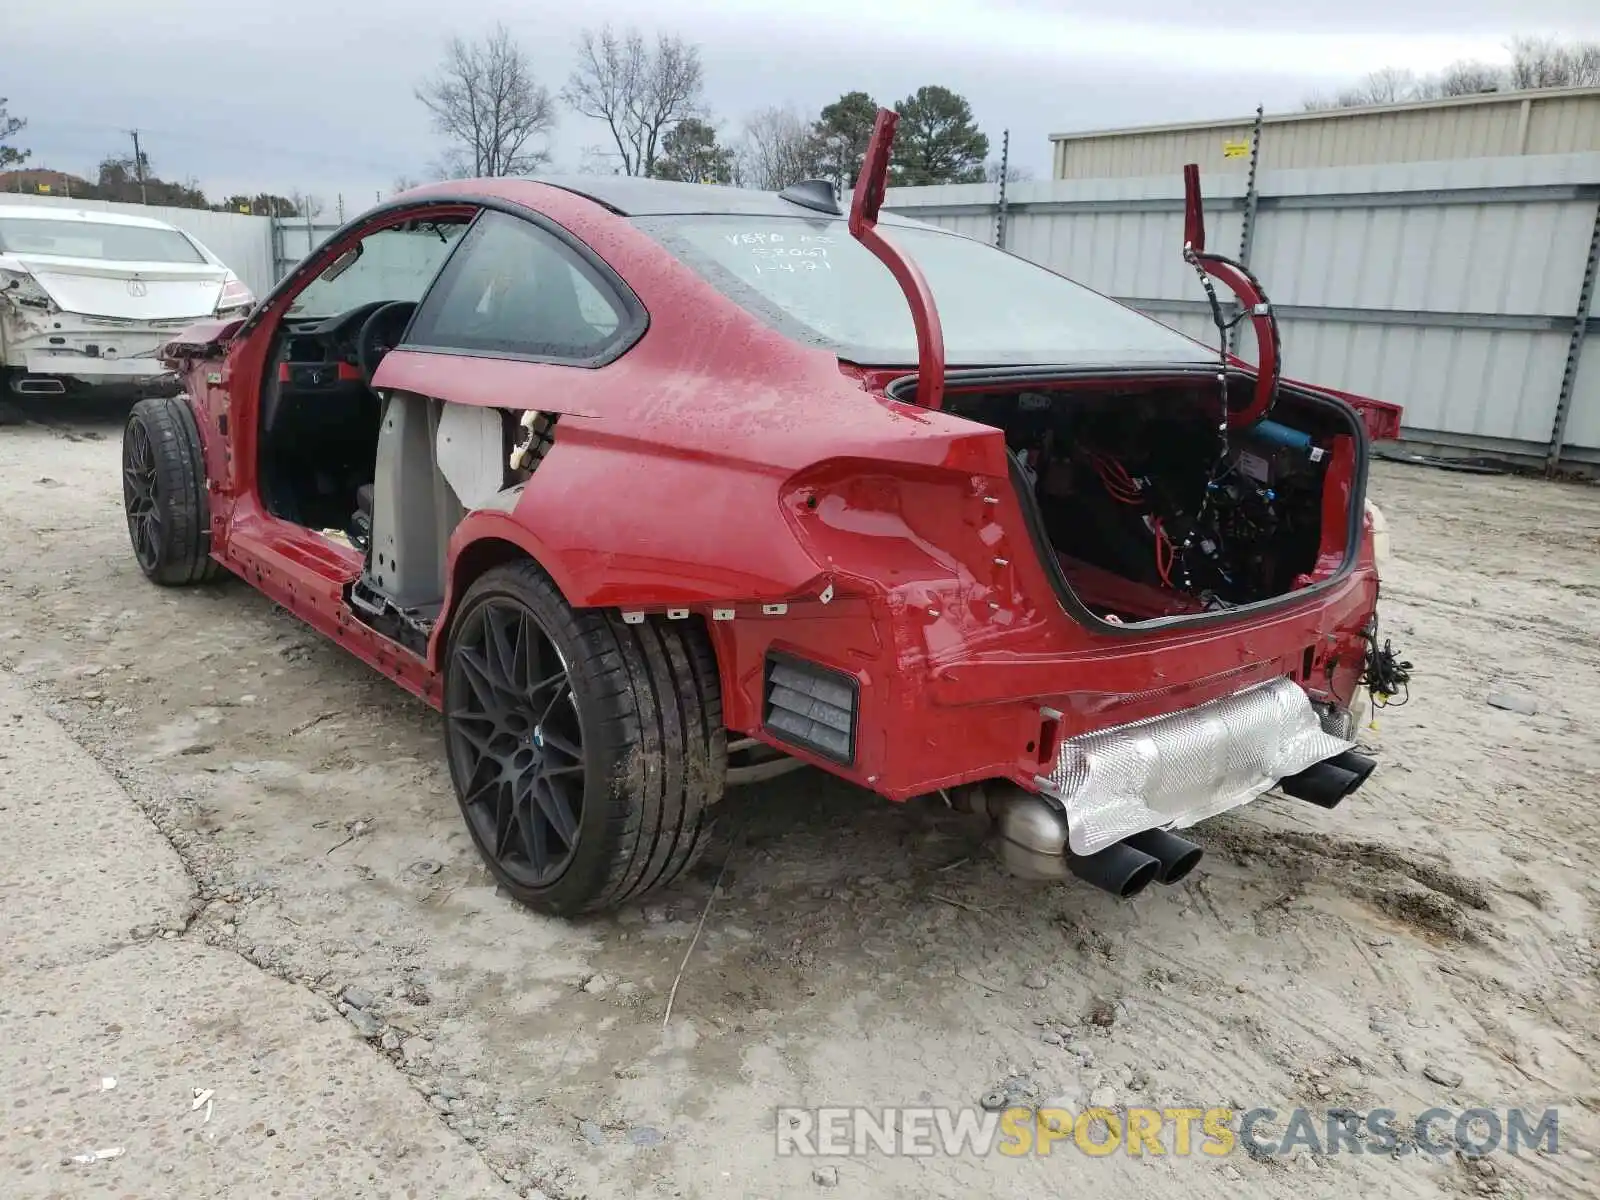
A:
(164, 493)
(587, 754)
(9, 413)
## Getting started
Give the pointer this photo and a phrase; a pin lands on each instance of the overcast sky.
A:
(316, 95)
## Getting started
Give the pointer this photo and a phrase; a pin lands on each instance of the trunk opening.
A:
(1139, 513)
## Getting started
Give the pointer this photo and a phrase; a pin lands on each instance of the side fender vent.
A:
(811, 706)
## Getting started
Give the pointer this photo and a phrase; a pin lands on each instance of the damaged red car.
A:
(652, 488)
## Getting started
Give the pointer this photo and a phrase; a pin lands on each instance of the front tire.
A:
(164, 493)
(587, 754)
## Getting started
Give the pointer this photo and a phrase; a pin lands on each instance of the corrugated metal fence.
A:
(295, 237)
(1452, 288)
(1449, 287)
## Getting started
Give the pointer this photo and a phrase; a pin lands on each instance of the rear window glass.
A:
(91, 239)
(810, 279)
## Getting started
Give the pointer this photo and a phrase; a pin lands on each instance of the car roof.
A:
(49, 212)
(634, 196)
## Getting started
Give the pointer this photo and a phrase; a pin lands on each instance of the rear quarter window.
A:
(516, 290)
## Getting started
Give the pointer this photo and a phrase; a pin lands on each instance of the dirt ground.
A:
(1443, 921)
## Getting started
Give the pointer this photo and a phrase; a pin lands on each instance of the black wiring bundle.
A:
(1386, 674)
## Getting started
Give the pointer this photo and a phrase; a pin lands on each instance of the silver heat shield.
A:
(1174, 770)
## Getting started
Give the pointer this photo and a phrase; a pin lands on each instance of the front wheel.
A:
(586, 754)
(164, 493)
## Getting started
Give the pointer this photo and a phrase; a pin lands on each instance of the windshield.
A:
(394, 264)
(810, 279)
(93, 239)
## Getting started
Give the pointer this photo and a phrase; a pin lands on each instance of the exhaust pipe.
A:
(1033, 843)
(38, 385)
(1325, 784)
(1176, 856)
(1118, 869)
(1358, 765)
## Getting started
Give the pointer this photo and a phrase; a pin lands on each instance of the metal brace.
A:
(1569, 374)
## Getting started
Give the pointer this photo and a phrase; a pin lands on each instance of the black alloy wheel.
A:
(164, 493)
(587, 753)
(141, 496)
(516, 740)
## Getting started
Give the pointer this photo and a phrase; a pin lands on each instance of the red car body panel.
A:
(717, 465)
(863, 225)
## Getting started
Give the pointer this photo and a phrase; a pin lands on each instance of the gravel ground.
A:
(137, 1062)
(1439, 927)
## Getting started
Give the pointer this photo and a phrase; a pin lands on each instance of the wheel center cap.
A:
(537, 737)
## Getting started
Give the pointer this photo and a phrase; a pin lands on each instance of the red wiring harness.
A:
(1165, 553)
(1119, 485)
(1125, 489)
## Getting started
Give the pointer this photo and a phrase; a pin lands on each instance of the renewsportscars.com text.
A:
(1179, 1132)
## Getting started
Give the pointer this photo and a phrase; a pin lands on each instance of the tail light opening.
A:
(236, 299)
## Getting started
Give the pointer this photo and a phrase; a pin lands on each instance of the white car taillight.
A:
(20, 288)
(236, 298)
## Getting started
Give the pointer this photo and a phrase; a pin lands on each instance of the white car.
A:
(87, 299)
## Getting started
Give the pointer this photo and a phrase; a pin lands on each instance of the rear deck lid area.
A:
(131, 291)
(131, 272)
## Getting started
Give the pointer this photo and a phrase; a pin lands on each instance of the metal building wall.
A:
(1451, 287)
(295, 238)
(1554, 121)
(244, 243)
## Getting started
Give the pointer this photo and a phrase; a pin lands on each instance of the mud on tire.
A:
(164, 493)
(587, 754)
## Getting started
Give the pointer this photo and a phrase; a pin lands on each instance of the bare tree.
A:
(599, 160)
(780, 147)
(306, 205)
(487, 102)
(639, 91)
(1391, 85)
(455, 164)
(1547, 62)
(1536, 62)
(1464, 78)
(1014, 173)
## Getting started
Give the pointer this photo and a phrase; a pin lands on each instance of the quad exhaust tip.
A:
(1326, 784)
(1033, 844)
(1118, 869)
(1176, 856)
(1033, 836)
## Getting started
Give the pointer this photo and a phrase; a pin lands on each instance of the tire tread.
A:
(180, 473)
(656, 719)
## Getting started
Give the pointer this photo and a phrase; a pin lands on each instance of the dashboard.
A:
(330, 353)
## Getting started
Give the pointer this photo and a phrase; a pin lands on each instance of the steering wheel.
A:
(381, 333)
